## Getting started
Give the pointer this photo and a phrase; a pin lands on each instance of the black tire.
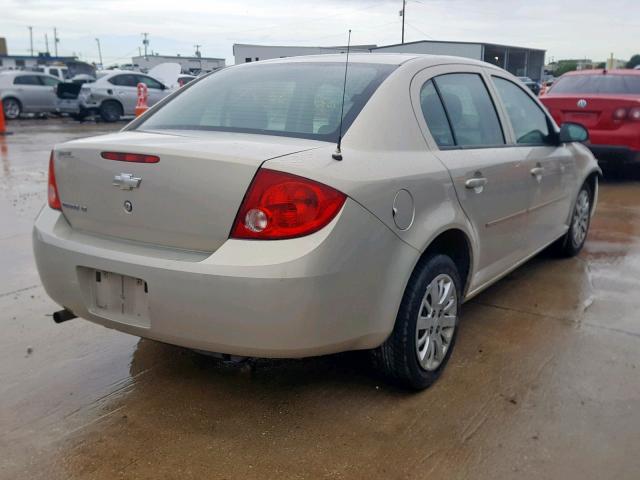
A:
(111, 111)
(12, 108)
(397, 357)
(571, 244)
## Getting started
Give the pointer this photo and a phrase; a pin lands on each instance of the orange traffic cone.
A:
(3, 127)
(143, 95)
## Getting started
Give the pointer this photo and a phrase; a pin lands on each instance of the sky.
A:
(565, 28)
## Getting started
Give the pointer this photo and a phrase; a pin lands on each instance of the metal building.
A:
(520, 61)
(244, 52)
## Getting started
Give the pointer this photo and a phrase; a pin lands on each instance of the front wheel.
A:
(424, 334)
(12, 108)
(571, 244)
(110, 111)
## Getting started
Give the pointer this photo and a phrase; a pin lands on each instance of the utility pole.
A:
(56, 40)
(46, 42)
(198, 50)
(99, 52)
(31, 39)
(145, 42)
(404, 4)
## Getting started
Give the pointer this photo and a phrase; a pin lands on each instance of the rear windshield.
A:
(288, 99)
(600, 83)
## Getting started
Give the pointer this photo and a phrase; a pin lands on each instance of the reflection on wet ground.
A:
(544, 382)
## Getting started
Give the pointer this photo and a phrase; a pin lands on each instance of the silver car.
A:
(115, 94)
(27, 92)
(227, 220)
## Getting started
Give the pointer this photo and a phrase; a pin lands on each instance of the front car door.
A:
(550, 164)
(49, 95)
(464, 129)
(157, 91)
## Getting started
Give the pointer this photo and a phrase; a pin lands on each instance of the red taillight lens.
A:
(130, 157)
(634, 114)
(279, 205)
(619, 113)
(52, 187)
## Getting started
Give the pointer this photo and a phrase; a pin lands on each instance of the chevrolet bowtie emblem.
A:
(126, 181)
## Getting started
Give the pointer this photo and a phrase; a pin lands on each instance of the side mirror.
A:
(573, 132)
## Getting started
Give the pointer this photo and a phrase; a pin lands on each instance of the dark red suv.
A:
(607, 104)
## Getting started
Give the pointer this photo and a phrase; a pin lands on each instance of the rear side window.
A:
(435, 115)
(468, 108)
(530, 124)
(124, 80)
(600, 83)
(27, 80)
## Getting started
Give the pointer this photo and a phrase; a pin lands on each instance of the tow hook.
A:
(63, 316)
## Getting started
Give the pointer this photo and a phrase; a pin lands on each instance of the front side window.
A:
(27, 80)
(529, 122)
(150, 82)
(470, 110)
(288, 99)
(49, 81)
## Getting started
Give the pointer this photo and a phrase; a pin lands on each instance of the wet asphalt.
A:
(544, 381)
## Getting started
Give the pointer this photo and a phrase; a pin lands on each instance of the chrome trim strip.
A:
(528, 210)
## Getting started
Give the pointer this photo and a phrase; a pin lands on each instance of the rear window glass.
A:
(289, 99)
(600, 83)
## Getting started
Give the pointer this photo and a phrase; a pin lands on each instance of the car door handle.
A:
(537, 171)
(476, 183)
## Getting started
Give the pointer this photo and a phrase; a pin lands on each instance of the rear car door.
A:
(155, 88)
(125, 89)
(31, 92)
(550, 164)
(464, 129)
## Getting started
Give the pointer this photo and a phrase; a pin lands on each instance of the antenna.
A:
(337, 155)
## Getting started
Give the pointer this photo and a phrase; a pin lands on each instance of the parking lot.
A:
(544, 382)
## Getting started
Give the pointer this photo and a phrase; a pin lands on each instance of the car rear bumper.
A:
(615, 154)
(336, 290)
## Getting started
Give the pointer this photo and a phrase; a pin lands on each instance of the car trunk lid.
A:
(187, 200)
(591, 111)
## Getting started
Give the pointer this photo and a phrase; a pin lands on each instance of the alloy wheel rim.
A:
(436, 322)
(11, 109)
(580, 219)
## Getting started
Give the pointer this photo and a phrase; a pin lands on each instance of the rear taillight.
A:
(620, 113)
(130, 157)
(52, 188)
(623, 113)
(279, 205)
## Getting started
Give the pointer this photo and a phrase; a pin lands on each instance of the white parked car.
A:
(27, 92)
(225, 220)
(115, 94)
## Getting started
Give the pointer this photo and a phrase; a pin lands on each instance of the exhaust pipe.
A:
(63, 316)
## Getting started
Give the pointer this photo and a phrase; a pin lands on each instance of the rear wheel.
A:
(573, 241)
(12, 108)
(424, 334)
(111, 111)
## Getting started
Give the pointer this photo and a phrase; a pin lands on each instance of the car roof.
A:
(378, 58)
(601, 71)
